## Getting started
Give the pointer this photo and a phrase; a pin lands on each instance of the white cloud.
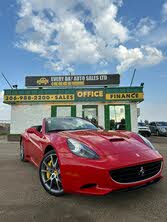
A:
(164, 11)
(104, 18)
(75, 43)
(33, 47)
(44, 27)
(23, 24)
(39, 24)
(26, 8)
(109, 29)
(145, 26)
(152, 56)
(67, 33)
(137, 57)
(59, 66)
(127, 57)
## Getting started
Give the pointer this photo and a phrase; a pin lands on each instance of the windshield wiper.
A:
(82, 129)
(56, 130)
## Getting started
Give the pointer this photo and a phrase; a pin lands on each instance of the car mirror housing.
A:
(33, 130)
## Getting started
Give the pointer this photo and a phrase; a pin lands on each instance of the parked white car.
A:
(143, 129)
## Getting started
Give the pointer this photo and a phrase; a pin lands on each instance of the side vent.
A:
(87, 186)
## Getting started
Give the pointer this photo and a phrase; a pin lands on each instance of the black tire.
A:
(22, 153)
(50, 174)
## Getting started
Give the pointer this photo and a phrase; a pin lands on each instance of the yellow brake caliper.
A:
(48, 173)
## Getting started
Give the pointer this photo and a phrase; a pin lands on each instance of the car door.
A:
(36, 151)
(27, 144)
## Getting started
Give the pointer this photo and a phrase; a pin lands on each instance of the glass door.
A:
(90, 113)
(119, 117)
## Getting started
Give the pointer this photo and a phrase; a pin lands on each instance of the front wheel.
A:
(50, 175)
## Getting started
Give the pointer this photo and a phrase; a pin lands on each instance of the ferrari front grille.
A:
(136, 173)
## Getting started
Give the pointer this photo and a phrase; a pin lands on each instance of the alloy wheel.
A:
(50, 174)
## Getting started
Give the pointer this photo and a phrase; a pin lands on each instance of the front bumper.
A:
(93, 177)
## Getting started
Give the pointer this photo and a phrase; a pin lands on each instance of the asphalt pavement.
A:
(22, 199)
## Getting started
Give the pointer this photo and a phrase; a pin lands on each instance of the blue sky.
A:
(98, 36)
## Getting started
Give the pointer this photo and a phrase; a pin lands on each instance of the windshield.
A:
(68, 123)
(161, 123)
(141, 124)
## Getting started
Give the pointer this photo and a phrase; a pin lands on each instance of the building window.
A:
(90, 113)
(117, 117)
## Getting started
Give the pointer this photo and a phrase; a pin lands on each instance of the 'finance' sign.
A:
(124, 96)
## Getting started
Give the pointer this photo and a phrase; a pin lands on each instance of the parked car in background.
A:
(158, 128)
(143, 129)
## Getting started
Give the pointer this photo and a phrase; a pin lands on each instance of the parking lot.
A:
(22, 198)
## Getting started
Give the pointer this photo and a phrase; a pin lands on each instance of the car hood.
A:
(107, 143)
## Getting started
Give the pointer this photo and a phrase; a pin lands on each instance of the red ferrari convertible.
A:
(73, 155)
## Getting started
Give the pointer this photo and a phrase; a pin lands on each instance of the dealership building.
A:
(98, 98)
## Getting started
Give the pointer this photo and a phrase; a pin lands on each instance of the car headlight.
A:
(81, 150)
(147, 142)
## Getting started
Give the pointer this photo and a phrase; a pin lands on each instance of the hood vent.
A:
(116, 140)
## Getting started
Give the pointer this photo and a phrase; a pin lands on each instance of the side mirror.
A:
(33, 130)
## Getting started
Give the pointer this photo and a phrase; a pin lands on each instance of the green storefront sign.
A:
(74, 95)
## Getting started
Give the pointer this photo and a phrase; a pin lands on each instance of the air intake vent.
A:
(116, 139)
(87, 186)
(136, 173)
